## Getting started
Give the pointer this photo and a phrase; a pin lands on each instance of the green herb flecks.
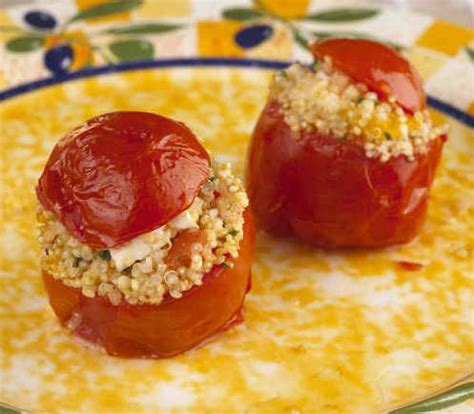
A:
(182, 259)
(315, 66)
(105, 255)
(77, 261)
(282, 74)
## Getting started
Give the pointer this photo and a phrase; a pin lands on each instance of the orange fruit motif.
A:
(80, 44)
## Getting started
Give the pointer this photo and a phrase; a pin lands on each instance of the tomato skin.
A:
(181, 250)
(122, 174)
(166, 329)
(381, 68)
(328, 193)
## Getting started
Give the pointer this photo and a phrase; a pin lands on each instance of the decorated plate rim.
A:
(24, 88)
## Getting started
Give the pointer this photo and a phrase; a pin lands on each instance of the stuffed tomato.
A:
(147, 244)
(344, 153)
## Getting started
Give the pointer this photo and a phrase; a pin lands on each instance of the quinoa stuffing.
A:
(323, 98)
(146, 268)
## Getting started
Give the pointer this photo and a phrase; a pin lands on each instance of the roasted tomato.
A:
(166, 329)
(326, 186)
(329, 193)
(122, 174)
(381, 68)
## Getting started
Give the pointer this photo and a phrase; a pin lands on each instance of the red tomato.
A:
(410, 266)
(166, 329)
(181, 250)
(381, 68)
(122, 174)
(328, 193)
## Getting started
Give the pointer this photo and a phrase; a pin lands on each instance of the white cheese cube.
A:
(127, 254)
(184, 221)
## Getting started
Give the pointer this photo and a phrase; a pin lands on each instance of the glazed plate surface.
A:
(325, 332)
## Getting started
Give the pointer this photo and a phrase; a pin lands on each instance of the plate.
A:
(328, 333)
(325, 332)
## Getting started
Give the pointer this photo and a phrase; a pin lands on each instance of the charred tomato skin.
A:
(328, 193)
(168, 328)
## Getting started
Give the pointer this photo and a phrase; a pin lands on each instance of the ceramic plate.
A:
(324, 332)
(340, 332)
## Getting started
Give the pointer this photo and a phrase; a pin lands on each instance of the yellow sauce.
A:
(339, 332)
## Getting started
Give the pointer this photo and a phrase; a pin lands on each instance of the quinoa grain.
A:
(118, 275)
(326, 99)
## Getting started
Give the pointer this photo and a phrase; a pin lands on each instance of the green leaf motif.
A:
(241, 14)
(8, 410)
(10, 29)
(300, 39)
(143, 28)
(106, 9)
(447, 399)
(470, 53)
(342, 15)
(24, 44)
(130, 50)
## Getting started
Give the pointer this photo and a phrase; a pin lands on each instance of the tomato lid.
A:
(384, 70)
(122, 174)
